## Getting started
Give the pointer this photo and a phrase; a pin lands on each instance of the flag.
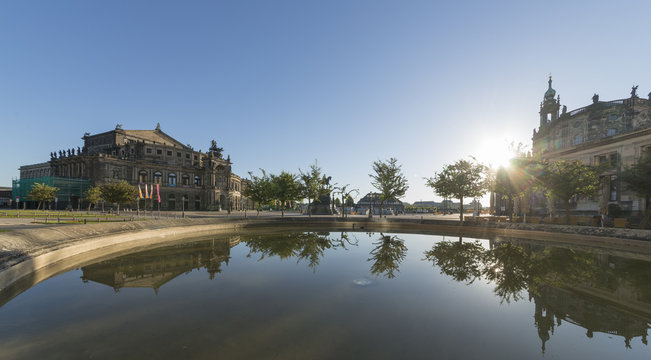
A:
(139, 192)
(157, 192)
(146, 192)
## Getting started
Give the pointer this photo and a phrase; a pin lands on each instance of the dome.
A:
(550, 93)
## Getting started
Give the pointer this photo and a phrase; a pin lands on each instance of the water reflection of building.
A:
(612, 294)
(554, 304)
(154, 268)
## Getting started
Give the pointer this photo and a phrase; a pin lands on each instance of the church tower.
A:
(549, 108)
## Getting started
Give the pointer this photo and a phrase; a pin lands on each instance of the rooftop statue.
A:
(634, 91)
(216, 150)
(595, 99)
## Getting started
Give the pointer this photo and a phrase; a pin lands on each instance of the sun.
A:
(494, 154)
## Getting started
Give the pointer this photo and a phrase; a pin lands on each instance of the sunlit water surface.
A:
(339, 296)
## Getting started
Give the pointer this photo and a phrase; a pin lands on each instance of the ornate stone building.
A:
(187, 179)
(615, 133)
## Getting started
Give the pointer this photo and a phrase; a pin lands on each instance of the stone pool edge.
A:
(33, 249)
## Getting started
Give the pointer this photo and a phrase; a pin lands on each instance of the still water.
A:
(340, 296)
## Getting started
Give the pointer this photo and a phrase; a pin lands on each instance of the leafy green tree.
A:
(389, 180)
(313, 185)
(638, 180)
(565, 179)
(93, 195)
(42, 193)
(119, 193)
(350, 201)
(259, 190)
(285, 187)
(460, 180)
(346, 198)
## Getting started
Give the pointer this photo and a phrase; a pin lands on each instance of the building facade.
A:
(613, 133)
(150, 159)
(372, 201)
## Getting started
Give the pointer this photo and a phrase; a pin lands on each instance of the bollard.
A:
(58, 220)
(84, 221)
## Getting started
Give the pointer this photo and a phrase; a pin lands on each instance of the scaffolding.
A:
(70, 192)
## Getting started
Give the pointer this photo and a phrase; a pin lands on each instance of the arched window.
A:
(158, 177)
(197, 180)
(171, 179)
(142, 177)
(185, 180)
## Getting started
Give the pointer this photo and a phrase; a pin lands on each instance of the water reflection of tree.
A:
(387, 255)
(551, 277)
(462, 261)
(512, 268)
(307, 246)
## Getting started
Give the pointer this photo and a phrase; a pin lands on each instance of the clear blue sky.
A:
(281, 83)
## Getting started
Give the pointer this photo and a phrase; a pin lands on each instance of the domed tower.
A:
(549, 108)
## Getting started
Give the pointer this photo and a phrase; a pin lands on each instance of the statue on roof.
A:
(118, 127)
(158, 126)
(634, 91)
(216, 150)
(595, 98)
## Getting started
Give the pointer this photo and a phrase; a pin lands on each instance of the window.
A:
(116, 174)
(142, 177)
(169, 152)
(158, 177)
(159, 152)
(612, 159)
(185, 180)
(613, 187)
(578, 139)
(197, 202)
(187, 156)
(148, 150)
(178, 154)
(611, 132)
(196, 158)
(197, 180)
(171, 179)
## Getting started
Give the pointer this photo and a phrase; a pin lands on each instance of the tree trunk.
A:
(647, 213)
(118, 212)
(461, 210)
(567, 212)
(282, 211)
(381, 207)
(89, 205)
(510, 209)
(309, 207)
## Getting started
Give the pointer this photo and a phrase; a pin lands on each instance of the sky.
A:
(282, 84)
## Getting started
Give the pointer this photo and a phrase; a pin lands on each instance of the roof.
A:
(157, 136)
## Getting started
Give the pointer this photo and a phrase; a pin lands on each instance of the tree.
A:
(565, 179)
(460, 180)
(93, 195)
(313, 185)
(388, 180)
(346, 198)
(638, 180)
(42, 193)
(118, 193)
(285, 187)
(514, 182)
(259, 190)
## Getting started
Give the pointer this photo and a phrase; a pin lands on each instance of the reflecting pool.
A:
(340, 296)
